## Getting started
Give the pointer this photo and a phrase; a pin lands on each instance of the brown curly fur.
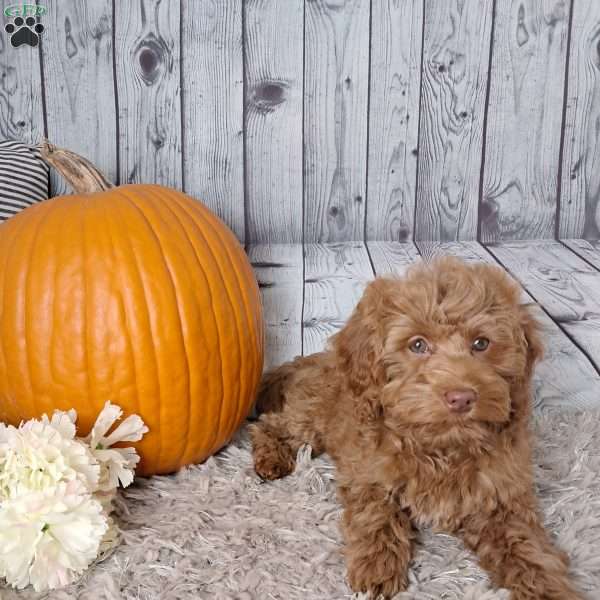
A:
(403, 459)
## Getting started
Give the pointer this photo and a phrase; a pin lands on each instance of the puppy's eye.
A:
(480, 344)
(418, 346)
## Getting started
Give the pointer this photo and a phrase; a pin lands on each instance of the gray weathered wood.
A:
(147, 72)
(396, 35)
(274, 47)
(580, 190)
(565, 377)
(334, 280)
(212, 98)
(21, 112)
(524, 120)
(360, 61)
(567, 286)
(79, 83)
(468, 251)
(453, 84)
(564, 284)
(279, 272)
(335, 118)
(588, 250)
(392, 258)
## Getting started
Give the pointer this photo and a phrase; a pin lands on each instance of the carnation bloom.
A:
(56, 495)
(117, 464)
(48, 537)
(39, 454)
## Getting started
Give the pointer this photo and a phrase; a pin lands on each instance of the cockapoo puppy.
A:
(423, 401)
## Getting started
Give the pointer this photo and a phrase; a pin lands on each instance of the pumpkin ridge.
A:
(250, 387)
(200, 234)
(246, 302)
(15, 229)
(234, 421)
(142, 287)
(53, 372)
(242, 390)
(44, 215)
(108, 225)
(85, 304)
(178, 302)
(2, 291)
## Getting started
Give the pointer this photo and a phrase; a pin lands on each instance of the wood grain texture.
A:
(519, 194)
(565, 378)
(274, 90)
(147, 41)
(469, 251)
(396, 35)
(335, 119)
(334, 280)
(279, 271)
(567, 286)
(212, 91)
(392, 258)
(580, 187)
(564, 284)
(77, 52)
(589, 250)
(21, 111)
(453, 90)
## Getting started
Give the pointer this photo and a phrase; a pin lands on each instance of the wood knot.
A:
(157, 142)
(522, 33)
(403, 233)
(149, 58)
(267, 95)
(70, 47)
(489, 210)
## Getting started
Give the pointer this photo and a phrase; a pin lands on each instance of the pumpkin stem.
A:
(79, 172)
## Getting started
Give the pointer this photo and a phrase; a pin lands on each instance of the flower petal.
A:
(108, 415)
(132, 429)
(117, 464)
(63, 422)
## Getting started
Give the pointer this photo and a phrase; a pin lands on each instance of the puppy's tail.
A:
(271, 393)
(274, 384)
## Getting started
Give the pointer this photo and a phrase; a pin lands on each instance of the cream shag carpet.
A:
(215, 531)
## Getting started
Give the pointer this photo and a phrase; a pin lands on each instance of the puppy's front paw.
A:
(273, 457)
(273, 462)
(378, 575)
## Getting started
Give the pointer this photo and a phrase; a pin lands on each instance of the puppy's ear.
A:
(359, 347)
(533, 339)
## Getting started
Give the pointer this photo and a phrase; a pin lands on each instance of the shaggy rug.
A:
(215, 531)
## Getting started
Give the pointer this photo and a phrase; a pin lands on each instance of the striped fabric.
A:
(23, 178)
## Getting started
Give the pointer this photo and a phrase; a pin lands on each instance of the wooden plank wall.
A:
(331, 120)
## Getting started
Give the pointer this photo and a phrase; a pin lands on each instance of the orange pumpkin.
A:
(136, 294)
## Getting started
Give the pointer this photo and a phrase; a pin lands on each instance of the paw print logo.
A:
(24, 31)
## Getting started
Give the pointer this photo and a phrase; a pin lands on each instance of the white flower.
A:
(48, 537)
(56, 494)
(40, 454)
(63, 422)
(117, 464)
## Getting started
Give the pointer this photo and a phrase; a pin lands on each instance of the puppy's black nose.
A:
(460, 401)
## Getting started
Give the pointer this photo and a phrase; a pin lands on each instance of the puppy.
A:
(423, 401)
